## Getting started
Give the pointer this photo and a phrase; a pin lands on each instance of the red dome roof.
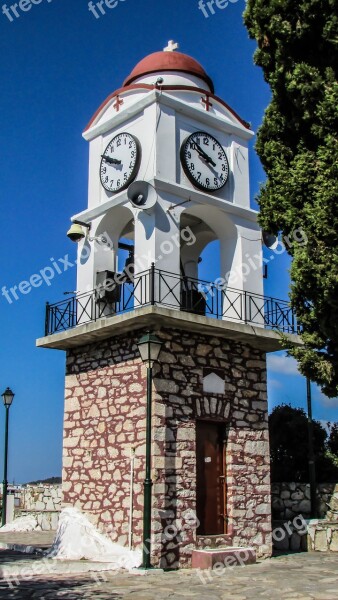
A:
(168, 61)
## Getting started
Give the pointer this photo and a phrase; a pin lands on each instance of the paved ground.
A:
(40, 539)
(293, 577)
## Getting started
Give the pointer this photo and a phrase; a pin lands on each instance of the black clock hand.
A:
(112, 161)
(204, 154)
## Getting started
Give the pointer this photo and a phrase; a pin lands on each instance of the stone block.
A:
(334, 541)
(186, 433)
(295, 542)
(54, 520)
(320, 541)
(259, 448)
(304, 506)
(71, 381)
(165, 385)
(222, 558)
(71, 405)
(136, 387)
(70, 442)
(93, 412)
(203, 349)
(168, 358)
(187, 361)
(281, 542)
(169, 462)
(106, 516)
(45, 523)
(263, 509)
(298, 495)
(50, 504)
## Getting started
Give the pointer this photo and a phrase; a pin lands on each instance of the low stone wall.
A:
(41, 498)
(40, 501)
(47, 520)
(290, 535)
(292, 499)
(296, 532)
(322, 536)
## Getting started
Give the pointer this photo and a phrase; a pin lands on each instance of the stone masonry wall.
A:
(105, 417)
(105, 407)
(243, 406)
(41, 497)
(292, 499)
(40, 501)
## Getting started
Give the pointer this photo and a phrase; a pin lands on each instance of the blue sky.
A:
(58, 63)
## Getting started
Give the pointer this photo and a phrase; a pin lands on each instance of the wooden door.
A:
(210, 473)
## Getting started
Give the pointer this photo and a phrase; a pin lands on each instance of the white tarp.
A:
(78, 539)
(27, 523)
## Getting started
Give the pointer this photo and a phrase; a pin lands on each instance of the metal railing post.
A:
(152, 284)
(245, 307)
(74, 311)
(47, 318)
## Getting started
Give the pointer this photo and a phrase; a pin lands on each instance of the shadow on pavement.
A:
(56, 588)
(11, 556)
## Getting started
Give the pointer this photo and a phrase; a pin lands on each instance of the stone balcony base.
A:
(155, 317)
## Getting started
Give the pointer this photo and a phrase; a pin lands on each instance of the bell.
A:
(76, 233)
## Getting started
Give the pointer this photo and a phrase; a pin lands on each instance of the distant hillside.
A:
(51, 480)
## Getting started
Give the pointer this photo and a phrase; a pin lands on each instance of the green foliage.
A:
(297, 144)
(288, 428)
(332, 442)
(51, 480)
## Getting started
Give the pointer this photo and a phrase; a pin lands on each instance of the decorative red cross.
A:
(206, 102)
(118, 103)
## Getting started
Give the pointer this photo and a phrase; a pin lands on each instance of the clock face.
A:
(204, 161)
(120, 162)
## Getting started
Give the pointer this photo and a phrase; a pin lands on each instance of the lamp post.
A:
(311, 454)
(149, 347)
(7, 397)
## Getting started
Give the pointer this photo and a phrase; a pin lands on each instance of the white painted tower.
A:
(166, 127)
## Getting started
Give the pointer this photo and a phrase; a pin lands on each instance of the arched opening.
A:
(210, 263)
(113, 261)
(206, 259)
(126, 251)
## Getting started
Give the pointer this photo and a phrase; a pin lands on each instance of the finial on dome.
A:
(171, 46)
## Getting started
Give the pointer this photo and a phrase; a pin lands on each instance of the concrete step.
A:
(223, 557)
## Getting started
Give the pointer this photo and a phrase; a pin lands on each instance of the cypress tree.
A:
(297, 144)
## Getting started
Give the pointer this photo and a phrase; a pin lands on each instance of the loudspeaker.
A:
(193, 301)
(270, 240)
(142, 195)
(107, 289)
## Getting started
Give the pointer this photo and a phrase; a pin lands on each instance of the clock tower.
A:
(168, 175)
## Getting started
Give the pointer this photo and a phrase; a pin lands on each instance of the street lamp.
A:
(149, 347)
(311, 452)
(7, 397)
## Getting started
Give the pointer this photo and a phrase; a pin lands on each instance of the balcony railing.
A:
(161, 288)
